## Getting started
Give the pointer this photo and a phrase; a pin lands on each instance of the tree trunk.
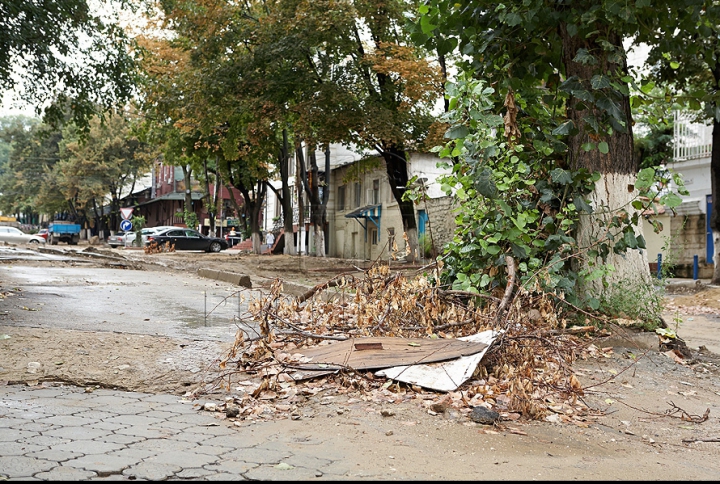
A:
(715, 214)
(310, 177)
(289, 246)
(301, 207)
(618, 167)
(325, 198)
(187, 172)
(397, 170)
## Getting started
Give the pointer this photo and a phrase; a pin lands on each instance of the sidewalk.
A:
(66, 433)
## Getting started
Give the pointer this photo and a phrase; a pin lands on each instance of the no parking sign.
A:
(126, 225)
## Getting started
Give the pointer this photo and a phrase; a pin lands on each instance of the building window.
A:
(376, 192)
(374, 236)
(341, 198)
(358, 194)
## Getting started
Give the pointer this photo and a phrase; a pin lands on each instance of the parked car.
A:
(13, 235)
(44, 233)
(118, 240)
(144, 233)
(188, 239)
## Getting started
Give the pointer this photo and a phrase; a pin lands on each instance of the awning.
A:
(368, 212)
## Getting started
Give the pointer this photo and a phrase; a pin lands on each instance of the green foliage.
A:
(643, 302)
(191, 219)
(518, 200)
(425, 245)
(138, 223)
(527, 152)
(514, 200)
(64, 55)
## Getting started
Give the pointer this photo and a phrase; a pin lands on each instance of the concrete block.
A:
(231, 277)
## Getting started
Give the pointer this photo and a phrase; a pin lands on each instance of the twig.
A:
(712, 439)
(313, 335)
(686, 416)
(509, 287)
(334, 282)
(451, 292)
(671, 413)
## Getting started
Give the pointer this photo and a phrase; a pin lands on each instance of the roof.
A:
(172, 196)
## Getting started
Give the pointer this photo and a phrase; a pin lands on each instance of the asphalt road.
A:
(82, 297)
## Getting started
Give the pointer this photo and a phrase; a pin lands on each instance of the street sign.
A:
(126, 213)
(126, 225)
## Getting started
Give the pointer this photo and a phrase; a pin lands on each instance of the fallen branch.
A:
(686, 416)
(575, 330)
(509, 287)
(712, 439)
(671, 413)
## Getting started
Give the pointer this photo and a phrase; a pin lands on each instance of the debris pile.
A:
(358, 337)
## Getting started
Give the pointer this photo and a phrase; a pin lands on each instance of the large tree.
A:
(561, 80)
(31, 149)
(684, 59)
(61, 55)
(104, 164)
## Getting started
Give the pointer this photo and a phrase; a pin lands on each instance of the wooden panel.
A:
(394, 352)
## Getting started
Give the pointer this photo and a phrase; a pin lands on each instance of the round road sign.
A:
(126, 225)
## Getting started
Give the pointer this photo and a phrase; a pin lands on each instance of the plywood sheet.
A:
(444, 376)
(380, 352)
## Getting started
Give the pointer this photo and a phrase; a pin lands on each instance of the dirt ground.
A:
(645, 402)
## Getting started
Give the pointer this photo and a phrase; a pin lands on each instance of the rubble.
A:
(371, 339)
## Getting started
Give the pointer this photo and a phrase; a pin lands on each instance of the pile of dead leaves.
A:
(525, 373)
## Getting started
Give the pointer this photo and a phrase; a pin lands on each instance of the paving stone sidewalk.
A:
(66, 433)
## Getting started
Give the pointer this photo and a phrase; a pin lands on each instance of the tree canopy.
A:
(555, 97)
(65, 56)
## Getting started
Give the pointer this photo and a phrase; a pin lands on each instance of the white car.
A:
(126, 239)
(13, 235)
(118, 240)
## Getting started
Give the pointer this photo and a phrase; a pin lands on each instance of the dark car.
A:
(188, 239)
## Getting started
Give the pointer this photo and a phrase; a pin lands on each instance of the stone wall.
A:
(441, 220)
(688, 238)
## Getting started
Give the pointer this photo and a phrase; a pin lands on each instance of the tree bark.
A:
(715, 213)
(618, 167)
(289, 245)
(309, 173)
(397, 171)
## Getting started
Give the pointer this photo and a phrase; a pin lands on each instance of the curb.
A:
(231, 277)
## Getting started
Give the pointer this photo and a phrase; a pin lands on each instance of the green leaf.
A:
(588, 146)
(457, 132)
(674, 65)
(425, 25)
(671, 200)
(630, 239)
(561, 176)
(564, 129)
(469, 248)
(485, 184)
(603, 147)
(600, 81)
(493, 249)
(584, 57)
(582, 205)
